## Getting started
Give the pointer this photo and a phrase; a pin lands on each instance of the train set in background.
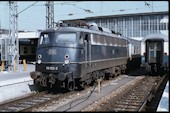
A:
(79, 54)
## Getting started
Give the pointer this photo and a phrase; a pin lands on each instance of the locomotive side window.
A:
(66, 38)
(124, 43)
(84, 37)
(115, 41)
(81, 39)
(95, 39)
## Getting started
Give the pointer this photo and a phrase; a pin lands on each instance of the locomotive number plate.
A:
(51, 68)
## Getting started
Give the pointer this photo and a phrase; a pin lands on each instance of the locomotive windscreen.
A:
(66, 38)
(51, 38)
(45, 38)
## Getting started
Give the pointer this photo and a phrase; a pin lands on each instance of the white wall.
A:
(166, 47)
(28, 34)
(142, 48)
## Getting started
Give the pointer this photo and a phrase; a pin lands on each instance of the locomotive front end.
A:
(57, 54)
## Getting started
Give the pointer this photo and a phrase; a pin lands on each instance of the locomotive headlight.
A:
(66, 56)
(39, 56)
(39, 61)
(66, 61)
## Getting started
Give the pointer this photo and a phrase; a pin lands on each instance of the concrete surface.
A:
(16, 84)
(164, 102)
(83, 102)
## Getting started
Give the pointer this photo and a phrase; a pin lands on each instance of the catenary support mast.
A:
(12, 42)
(49, 14)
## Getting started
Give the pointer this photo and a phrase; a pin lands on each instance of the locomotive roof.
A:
(79, 29)
(155, 36)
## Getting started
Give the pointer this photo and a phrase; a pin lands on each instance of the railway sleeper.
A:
(24, 105)
(136, 101)
(126, 106)
(130, 103)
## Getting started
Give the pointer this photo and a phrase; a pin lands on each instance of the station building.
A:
(134, 26)
(27, 43)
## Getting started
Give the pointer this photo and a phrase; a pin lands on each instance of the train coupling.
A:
(35, 75)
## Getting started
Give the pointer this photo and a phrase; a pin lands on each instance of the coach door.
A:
(155, 50)
(87, 47)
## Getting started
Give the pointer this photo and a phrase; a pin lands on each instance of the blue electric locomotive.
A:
(71, 56)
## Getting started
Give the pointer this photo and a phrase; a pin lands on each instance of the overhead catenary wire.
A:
(87, 11)
(27, 7)
(62, 3)
(73, 3)
(95, 13)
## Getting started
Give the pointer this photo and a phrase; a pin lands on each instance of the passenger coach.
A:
(156, 53)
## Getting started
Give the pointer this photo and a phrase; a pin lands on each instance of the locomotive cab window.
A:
(44, 39)
(66, 38)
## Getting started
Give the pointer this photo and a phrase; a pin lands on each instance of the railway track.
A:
(135, 97)
(35, 101)
(31, 102)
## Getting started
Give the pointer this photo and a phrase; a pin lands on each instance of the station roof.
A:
(132, 14)
(155, 36)
(25, 35)
(21, 34)
(122, 15)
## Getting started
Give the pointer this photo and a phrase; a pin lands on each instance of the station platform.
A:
(16, 84)
(164, 102)
(10, 77)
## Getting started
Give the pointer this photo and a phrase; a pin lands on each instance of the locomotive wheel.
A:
(117, 71)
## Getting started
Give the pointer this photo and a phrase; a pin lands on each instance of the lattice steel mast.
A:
(49, 14)
(12, 46)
